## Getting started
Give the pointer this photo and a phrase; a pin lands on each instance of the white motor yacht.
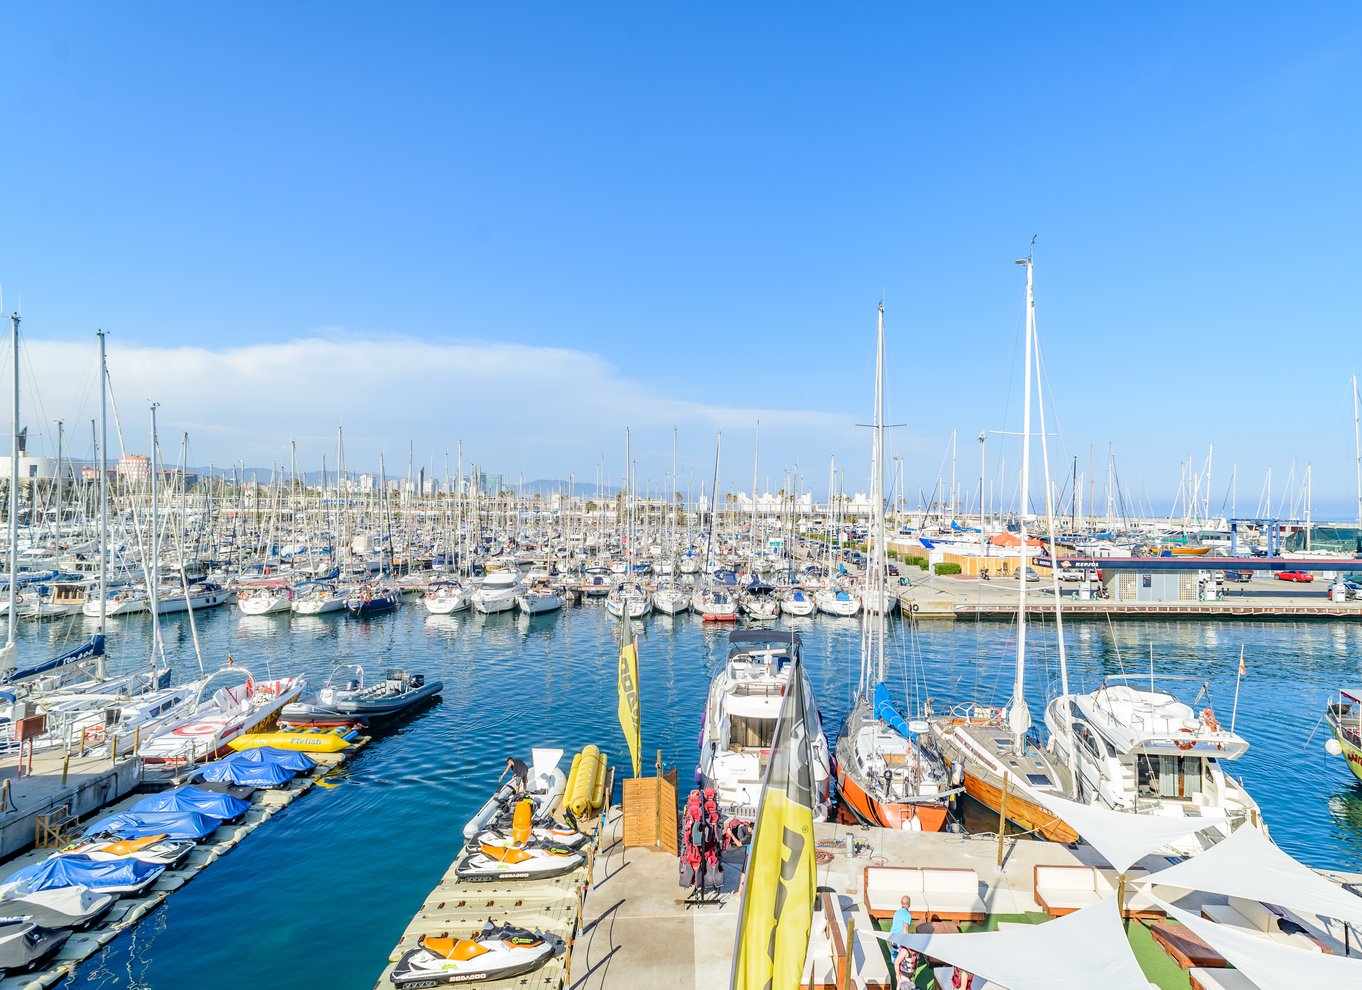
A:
(497, 593)
(1142, 750)
(740, 723)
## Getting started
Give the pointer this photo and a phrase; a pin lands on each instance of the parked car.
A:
(1304, 577)
(893, 570)
(1030, 574)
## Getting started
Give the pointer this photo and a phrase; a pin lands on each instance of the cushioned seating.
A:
(868, 965)
(943, 894)
(453, 948)
(1219, 979)
(1061, 890)
(1257, 918)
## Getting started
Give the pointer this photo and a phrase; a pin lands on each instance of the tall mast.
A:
(1019, 716)
(154, 581)
(13, 489)
(875, 616)
(103, 486)
(1357, 455)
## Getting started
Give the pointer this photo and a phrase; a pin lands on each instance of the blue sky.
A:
(530, 226)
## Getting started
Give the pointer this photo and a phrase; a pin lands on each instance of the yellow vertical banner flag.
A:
(778, 894)
(630, 720)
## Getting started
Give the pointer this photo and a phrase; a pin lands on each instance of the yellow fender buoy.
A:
(572, 778)
(598, 790)
(579, 798)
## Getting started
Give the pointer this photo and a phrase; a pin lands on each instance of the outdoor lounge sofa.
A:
(938, 894)
(1061, 890)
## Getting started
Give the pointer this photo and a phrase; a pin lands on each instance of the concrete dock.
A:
(955, 597)
(639, 929)
(90, 784)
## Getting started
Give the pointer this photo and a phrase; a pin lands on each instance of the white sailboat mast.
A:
(13, 490)
(103, 488)
(876, 616)
(1357, 455)
(1019, 715)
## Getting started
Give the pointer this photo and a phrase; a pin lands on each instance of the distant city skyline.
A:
(528, 230)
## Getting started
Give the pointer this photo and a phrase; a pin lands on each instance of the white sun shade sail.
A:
(1249, 865)
(1080, 951)
(1122, 837)
(1271, 965)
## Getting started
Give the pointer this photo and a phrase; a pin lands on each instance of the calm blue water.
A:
(321, 892)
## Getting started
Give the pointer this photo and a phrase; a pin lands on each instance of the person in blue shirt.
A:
(905, 959)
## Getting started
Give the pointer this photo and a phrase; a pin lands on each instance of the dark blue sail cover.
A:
(94, 647)
(80, 871)
(140, 824)
(241, 774)
(887, 713)
(287, 758)
(210, 804)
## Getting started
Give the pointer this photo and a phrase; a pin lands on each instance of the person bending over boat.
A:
(520, 774)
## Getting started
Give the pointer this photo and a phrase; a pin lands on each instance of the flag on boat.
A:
(777, 901)
(630, 721)
(1242, 671)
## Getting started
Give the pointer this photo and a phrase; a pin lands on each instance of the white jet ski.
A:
(532, 861)
(24, 944)
(519, 827)
(59, 907)
(499, 952)
(151, 849)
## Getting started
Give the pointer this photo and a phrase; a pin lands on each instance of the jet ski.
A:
(534, 860)
(60, 907)
(158, 849)
(499, 952)
(23, 944)
(522, 826)
(125, 877)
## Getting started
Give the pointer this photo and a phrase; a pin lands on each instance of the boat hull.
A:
(1024, 814)
(867, 811)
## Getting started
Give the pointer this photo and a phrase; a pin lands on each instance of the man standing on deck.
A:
(905, 960)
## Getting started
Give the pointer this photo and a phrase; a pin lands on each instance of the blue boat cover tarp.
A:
(211, 804)
(140, 824)
(81, 871)
(243, 774)
(887, 713)
(287, 758)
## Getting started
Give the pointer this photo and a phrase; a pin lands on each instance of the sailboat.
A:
(885, 775)
(18, 678)
(988, 748)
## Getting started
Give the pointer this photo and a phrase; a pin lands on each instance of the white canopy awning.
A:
(1080, 951)
(1122, 837)
(1249, 865)
(1272, 965)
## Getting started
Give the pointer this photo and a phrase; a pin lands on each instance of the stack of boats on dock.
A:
(510, 903)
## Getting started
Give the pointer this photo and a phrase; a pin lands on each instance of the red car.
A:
(1304, 577)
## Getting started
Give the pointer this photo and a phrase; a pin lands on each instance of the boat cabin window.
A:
(1169, 776)
(750, 733)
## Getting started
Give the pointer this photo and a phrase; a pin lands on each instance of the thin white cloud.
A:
(545, 411)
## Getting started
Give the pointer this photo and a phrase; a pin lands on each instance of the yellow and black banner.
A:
(630, 720)
(777, 900)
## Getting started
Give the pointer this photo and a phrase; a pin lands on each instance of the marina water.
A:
(320, 894)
